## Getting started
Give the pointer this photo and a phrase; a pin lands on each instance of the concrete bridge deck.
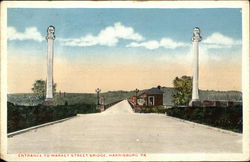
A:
(118, 129)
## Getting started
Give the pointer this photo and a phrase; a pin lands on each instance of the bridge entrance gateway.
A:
(119, 129)
(50, 58)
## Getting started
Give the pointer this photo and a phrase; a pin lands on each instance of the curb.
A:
(206, 126)
(38, 126)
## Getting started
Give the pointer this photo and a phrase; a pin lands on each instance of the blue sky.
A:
(121, 36)
(172, 22)
(153, 24)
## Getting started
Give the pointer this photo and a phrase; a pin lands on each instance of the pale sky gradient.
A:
(123, 49)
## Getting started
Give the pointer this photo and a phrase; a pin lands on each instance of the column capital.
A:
(196, 35)
(51, 33)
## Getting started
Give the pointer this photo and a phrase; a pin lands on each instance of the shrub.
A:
(156, 109)
(223, 117)
(20, 117)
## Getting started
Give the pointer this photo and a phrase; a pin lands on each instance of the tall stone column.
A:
(195, 91)
(49, 83)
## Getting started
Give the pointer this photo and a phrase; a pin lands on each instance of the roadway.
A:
(120, 130)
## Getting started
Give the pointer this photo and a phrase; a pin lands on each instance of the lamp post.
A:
(98, 90)
(136, 93)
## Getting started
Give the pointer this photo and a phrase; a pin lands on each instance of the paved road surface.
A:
(118, 129)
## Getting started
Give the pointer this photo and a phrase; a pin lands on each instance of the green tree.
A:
(39, 88)
(183, 93)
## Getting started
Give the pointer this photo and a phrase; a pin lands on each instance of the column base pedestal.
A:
(100, 107)
(49, 102)
(195, 103)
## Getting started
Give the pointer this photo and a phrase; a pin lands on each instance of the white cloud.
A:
(169, 43)
(214, 41)
(30, 33)
(218, 40)
(107, 37)
(153, 44)
(149, 44)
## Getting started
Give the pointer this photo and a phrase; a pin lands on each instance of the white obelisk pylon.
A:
(49, 82)
(195, 39)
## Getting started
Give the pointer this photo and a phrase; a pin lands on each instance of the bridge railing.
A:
(133, 105)
(111, 104)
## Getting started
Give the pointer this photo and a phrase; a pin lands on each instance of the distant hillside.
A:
(204, 95)
(70, 98)
(112, 96)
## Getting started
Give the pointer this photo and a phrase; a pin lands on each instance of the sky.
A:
(123, 49)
